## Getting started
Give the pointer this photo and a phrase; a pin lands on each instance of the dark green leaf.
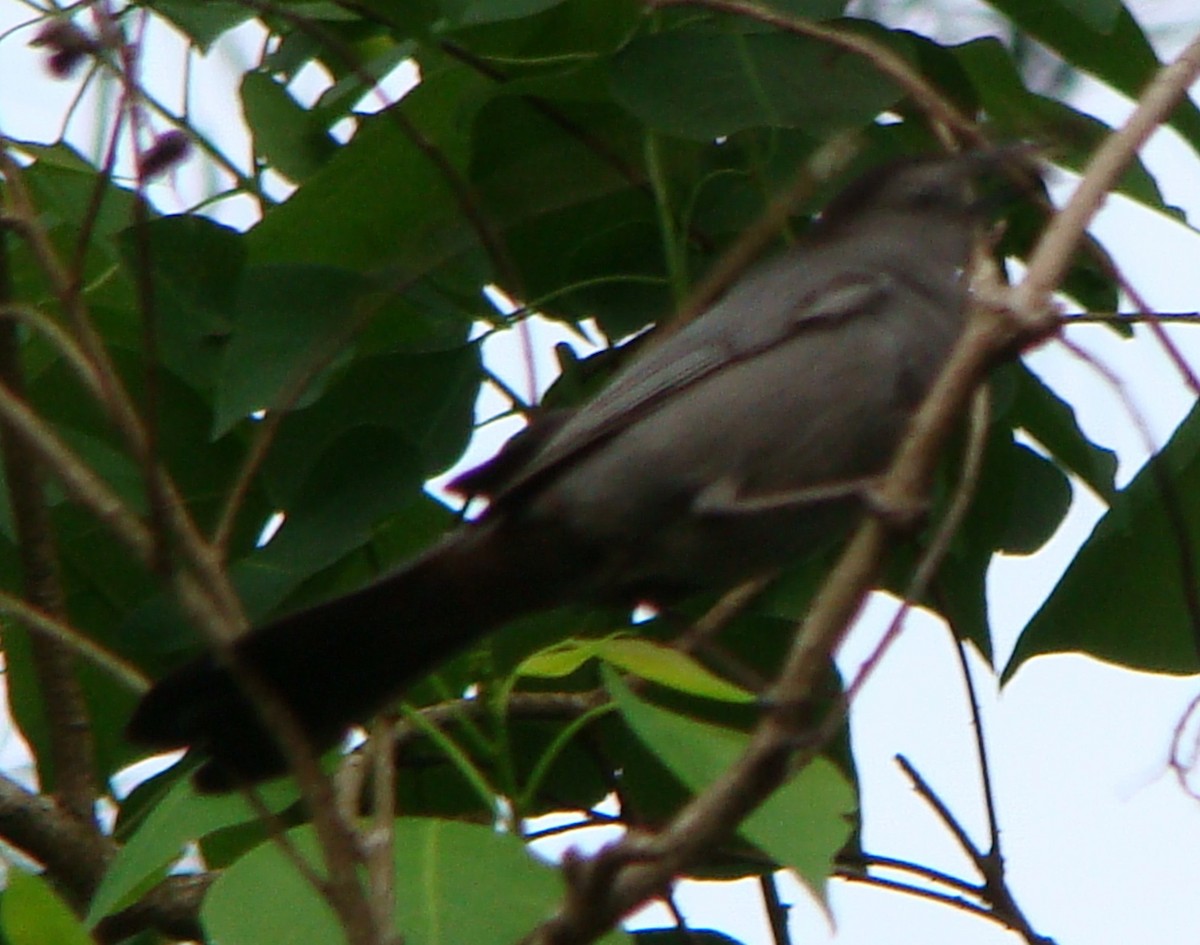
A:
(197, 269)
(382, 200)
(476, 12)
(291, 320)
(1099, 15)
(1051, 421)
(203, 22)
(809, 9)
(1020, 114)
(287, 136)
(1125, 596)
(180, 816)
(1120, 55)
(429, 399)
(705, 85)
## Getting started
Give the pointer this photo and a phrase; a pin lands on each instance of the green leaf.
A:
(197, 270)
(652, 661)
(289, 318)
(476, 12)
(262, 897)
(32, 914)
(1052, 422)
(455, 882)
(1015, 111)
(364, 474)
(1120, 55)
(180, 816)
(803, 824)
(383, 200)
(429, 399)
(1124, 597)
(705, 85)
(460, 882)
(288, 136)
(203, 22)
(671, 668)
(1024, 498)
(1100, 15)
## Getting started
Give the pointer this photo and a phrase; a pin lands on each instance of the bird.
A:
(734, 446)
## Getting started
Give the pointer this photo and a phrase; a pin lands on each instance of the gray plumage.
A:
(727, 450)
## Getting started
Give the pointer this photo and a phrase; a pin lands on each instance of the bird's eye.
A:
(934, 194)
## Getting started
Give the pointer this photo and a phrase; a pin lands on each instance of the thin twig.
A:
(935, 552)
(225, 610)
(381, 842)
(1049, 263)
(777, 912)
(42, 624)
(921, 786)
(985, 770)
(1001, 905)
(71, 761)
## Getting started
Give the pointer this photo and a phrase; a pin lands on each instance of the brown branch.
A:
(172, 908)
(223, 613)
(76, 857)
(1054, 251)
(71, 765)
(74, 854)
(42, 624)
(380, 842)
(934, 552)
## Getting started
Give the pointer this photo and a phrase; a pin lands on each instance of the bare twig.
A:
(1001, 906)
(223, 614)
(42, 624)
(71, 762)
(985, 768)
(1049, 263)
(777, 912)
(380, 842)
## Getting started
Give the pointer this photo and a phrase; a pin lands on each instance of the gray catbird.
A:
(722, 453)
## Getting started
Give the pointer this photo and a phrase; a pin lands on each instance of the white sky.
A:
(1101, 843)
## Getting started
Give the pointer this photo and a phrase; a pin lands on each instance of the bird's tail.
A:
(339, 662)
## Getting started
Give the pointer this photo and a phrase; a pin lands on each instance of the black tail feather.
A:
(339, 662)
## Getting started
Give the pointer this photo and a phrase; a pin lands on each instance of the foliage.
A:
(172, 382)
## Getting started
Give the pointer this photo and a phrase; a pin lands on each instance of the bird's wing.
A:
(768, 308)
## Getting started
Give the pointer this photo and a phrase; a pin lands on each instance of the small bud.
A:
(168, 149)
(68, 46)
